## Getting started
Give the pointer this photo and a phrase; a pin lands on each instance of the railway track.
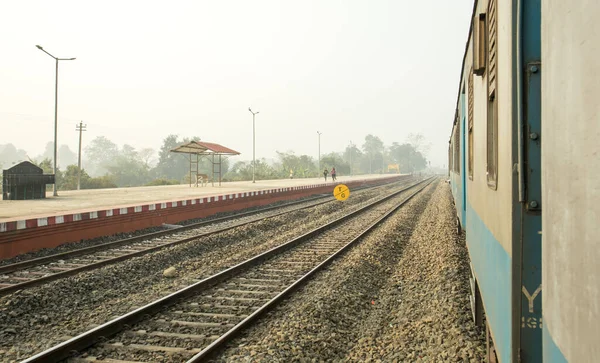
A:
(27, 274)
(192, 323)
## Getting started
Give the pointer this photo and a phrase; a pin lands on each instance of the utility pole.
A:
(81, 128)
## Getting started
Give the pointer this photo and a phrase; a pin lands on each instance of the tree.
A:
(303, 166)
(46, 165)
(264, 170)
(419, 143)
(127, 169)
(10, 155)
(66, 156)
(408, 157)
(242, 170)
(418, 161)
(48, 151)
(99, 155)
(147, 156)
(335, 160)
(372, 147)
(352, 156)
(129, 152)
(176, 165)
(121, 167)
(69, 181)
(48, 168)
(309, 167)
(172, 165)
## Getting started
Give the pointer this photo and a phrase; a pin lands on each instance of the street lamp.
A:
(319, 133)
(55, 192)
(253, 145)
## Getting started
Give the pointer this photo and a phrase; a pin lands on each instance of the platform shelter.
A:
(25, 181)
(215, 153)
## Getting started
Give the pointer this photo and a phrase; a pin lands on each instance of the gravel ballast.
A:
(401, 295)
(67, 247)
(35, 319)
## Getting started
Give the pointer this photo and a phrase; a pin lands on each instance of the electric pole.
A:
(81, 128)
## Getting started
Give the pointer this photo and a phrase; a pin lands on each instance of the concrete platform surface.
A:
(90, 200)
(73, 216)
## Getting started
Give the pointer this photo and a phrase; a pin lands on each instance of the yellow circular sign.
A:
(341, 192)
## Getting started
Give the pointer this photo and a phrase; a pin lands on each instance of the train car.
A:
(502, 178)
(496, 173)
(571, 180)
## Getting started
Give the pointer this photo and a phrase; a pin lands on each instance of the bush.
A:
(162, 181)
(102, 182)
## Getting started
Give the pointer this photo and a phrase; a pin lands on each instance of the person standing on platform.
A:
(291, 174)
(325, 172)
(333, 174)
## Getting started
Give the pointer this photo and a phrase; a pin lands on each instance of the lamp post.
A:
(319, 133)
(253, 145)
(55, 192)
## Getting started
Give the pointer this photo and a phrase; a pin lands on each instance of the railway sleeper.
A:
(199, 318)
(164, 334)
(151, 348)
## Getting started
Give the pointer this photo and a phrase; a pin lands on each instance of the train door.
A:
(531, 186)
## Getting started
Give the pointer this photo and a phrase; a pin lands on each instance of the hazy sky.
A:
(146, 69)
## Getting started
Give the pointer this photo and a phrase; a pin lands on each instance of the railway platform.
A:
(30, 225)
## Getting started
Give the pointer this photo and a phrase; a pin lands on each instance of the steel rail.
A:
(83, 251)
(63, 274)
(233, 332)
(8, 268)
(110, 328)
(59, 275)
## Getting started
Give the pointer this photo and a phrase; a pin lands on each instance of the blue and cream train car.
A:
(571, 180)
(530, 73)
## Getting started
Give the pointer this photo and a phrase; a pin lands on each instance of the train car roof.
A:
(462, 67)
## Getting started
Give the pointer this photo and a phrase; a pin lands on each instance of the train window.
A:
(457, 144)
(453, 145)
(492, 141)
(470, 126)
(492, 111)
(492, 46)
(453, 152)
(479, 44)
(450, 166)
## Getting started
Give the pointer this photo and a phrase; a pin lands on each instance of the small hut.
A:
(25, 181)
